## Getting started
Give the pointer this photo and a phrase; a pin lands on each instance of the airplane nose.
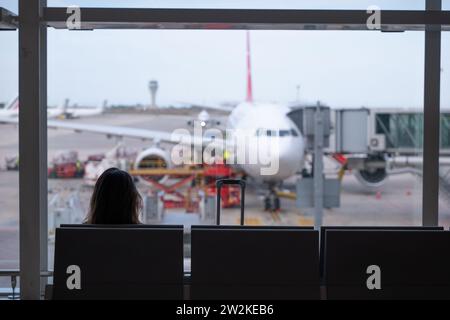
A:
(284, 158)
(290, 155)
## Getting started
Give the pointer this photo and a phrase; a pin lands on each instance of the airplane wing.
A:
(222, 107)
(127, 132)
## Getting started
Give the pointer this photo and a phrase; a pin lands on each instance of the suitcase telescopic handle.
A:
(219, 184)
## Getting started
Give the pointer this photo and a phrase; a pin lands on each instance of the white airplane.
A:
(11, 111)
(73, 112)
(265, 123)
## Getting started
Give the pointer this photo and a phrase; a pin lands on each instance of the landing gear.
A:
(267, 203)
(277, 204)
(272, 202)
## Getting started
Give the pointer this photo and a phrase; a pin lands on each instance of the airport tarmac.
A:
(398, 202)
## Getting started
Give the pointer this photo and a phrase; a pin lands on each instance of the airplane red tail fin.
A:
(249, 72)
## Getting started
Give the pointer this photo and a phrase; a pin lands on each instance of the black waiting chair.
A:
(230, 262)
(132, 262)
(387, 264)
(323, 233)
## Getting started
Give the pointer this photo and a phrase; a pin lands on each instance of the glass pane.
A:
(11, 5)
(115, 72)
(252, 4)
(9, 149)
(444, 168)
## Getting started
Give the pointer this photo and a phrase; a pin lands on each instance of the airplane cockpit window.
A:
(260, 132)
(284, 133)
(294, 133)
(268, 132)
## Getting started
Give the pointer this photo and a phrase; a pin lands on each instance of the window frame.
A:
(35, 18)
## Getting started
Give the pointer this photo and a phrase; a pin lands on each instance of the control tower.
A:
(153, 88)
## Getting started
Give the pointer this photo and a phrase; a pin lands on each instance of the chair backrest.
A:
(323, 233)
(238, 227)
(387, 264)
(118, 263)
(122, 226)
(254, 263)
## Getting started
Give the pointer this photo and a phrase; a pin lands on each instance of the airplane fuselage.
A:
(269, 131)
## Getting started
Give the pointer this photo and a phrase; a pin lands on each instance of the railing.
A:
(13, 275)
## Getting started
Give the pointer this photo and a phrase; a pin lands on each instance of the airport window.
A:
(9, 152)
(444, 166)
(77, 159)
(394, 199)
(250, 4)
(353, 100)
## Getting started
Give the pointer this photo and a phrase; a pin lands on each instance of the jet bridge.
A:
(379, 142)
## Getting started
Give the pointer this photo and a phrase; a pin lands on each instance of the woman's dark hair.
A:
(115, 199)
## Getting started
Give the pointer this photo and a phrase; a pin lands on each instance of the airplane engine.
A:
(153, 158)
(371, 178)
(370, 171)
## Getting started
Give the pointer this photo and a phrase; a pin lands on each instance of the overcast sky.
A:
(340, 68)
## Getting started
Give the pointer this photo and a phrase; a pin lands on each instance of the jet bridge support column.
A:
(318, 168)
(314, 190)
